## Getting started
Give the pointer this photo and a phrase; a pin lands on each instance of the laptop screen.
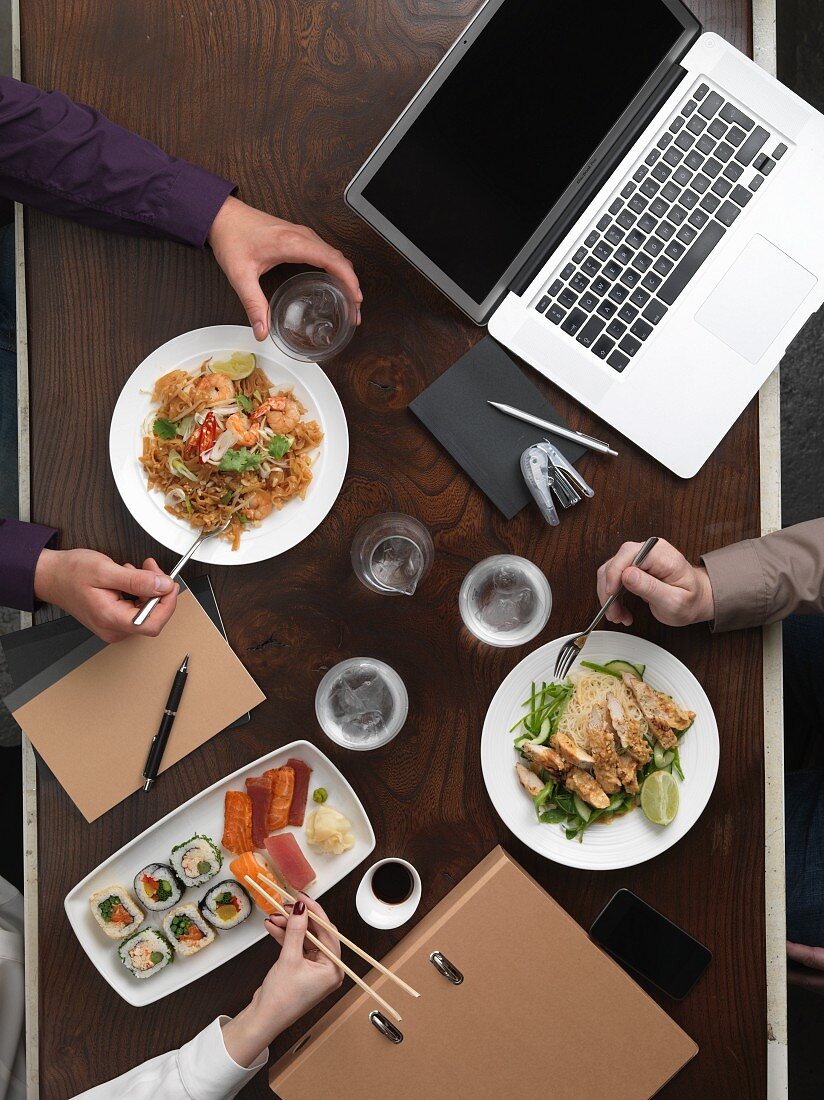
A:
(511, 127)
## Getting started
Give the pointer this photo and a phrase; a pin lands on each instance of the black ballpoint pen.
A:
(158, 745)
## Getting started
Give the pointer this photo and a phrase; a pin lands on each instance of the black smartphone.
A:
(644, 939)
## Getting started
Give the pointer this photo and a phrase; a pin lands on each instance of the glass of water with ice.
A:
(505, 600)
(392, 553)
(361, 703)
(311, 316)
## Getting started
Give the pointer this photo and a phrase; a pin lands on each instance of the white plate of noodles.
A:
(214, 426)
(608, 840)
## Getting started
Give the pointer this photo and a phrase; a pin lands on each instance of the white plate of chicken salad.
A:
(609, 768)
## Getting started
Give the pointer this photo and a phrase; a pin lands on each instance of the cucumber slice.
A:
(662, 757)
(625, 666)
(543, 736)
(584, 811)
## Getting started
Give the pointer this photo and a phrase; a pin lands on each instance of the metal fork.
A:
(572, 649)
(147, 608)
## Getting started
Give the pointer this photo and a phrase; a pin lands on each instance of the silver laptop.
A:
(634, 208)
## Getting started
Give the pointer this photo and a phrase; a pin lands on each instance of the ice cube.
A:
(506, 601)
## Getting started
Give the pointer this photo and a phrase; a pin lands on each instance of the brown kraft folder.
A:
(93, 728)
(524, 1017)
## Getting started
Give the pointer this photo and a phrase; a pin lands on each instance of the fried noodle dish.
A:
(225, 444)
(588, 745)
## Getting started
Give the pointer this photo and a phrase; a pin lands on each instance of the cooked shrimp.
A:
(247, 434)
(259, 505)
(214, 389)
(282, 413)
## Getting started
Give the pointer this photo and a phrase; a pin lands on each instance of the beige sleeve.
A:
(763, 580)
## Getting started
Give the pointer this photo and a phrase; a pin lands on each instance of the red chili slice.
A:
(207, 435)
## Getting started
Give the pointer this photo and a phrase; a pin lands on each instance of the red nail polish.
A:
(299, 908)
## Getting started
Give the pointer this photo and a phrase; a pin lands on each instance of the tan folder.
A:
(540, 1011)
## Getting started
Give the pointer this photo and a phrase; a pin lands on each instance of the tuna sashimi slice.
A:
(237, 824)
(290, 862)
(250, 863)
(283, 784)
(260, 791)
(303, 773)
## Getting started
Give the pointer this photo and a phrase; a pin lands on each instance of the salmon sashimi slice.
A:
(283, 786)
(250, 863)
(260, 791)
(303, 773)
(237, 823)
(290, 863)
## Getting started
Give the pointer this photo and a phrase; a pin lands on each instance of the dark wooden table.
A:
(287, 97)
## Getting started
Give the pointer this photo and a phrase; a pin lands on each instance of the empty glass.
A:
(505, 600)
(311, 316)
(361, 703)
(392, 553)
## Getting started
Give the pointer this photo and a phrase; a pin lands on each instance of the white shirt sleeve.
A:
(200, 1070)
(12, 1054)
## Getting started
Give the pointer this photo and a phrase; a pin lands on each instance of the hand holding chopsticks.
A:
(278, 908)
(343, 939)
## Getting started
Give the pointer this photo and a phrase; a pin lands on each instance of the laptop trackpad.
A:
(755, 299)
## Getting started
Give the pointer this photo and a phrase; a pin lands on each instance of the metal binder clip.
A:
(445, 967)
(385, 1027)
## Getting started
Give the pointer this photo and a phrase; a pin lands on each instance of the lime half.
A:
(239, 365)
(660, 798)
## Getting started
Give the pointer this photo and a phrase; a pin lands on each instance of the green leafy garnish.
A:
(227, 497)
(280, 444)
(164, 429)
(240, 460)
(164, 890)
(224, 899)
(246, 403)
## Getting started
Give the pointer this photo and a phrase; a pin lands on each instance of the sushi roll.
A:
(116, 911)
(157, 887)
(226, 905)
(146, 952)
(196, 860)
(187, 930)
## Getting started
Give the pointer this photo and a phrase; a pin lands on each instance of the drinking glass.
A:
(505, 600)
(361, 703)
(392, 553)
(312, 316)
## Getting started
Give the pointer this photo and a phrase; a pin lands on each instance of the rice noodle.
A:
(213, 495)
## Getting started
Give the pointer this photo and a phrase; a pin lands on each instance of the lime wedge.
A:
(659, 798)
(240, 364)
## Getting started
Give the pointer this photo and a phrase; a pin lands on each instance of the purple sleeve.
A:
(68, 159)
(20, 546)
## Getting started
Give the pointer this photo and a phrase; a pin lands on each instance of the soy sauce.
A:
(392, 883)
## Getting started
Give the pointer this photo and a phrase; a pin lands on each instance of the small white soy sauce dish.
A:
(389, 893)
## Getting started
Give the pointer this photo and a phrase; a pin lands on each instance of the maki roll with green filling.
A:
(116, 911)
(146, 952)
(157, 887)
(196, 860)
(226, 905)
(187, 930)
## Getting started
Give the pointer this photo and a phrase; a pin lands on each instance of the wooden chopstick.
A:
(329, 954)
(343, 939)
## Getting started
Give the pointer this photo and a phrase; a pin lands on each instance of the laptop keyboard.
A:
(656, 231)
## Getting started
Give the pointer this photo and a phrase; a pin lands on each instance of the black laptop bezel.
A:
(661, 81)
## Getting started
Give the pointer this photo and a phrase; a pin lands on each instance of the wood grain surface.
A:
(287, 97)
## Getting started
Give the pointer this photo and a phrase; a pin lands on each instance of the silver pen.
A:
(556, 429)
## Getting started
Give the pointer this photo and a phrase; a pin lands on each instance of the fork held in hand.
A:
(572, 649)
(147, 608)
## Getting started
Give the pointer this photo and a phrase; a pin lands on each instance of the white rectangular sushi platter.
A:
(204, 814)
